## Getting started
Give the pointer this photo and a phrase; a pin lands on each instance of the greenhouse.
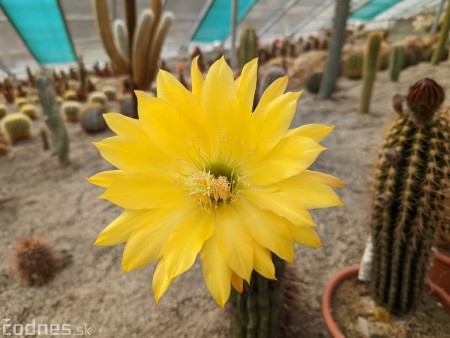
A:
(225, 168)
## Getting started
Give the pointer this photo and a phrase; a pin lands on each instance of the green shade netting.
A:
(372, 9)
(216, 24)
(40, 24)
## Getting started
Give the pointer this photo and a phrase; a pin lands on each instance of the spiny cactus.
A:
(91, 119)
(353, 67)
(20, 101)
(314, 81)
(71, 111)
(369, 70)
(412, 179)
(70, 95)
(98, 97)
(35, 261)
(16, 126)
(29, 110)
(3, 110)
(397, 58)
(248, 47)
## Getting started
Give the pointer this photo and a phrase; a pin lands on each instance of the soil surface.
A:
(38, 196)
(357, 315)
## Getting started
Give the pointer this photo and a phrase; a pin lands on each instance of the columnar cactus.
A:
(397, 59)
(313, 82)
(35, 261)
(353, 66)
(369, 70)
(71, 111)
(412, 179)
(16, 126)
(248, 47)
(437, 56)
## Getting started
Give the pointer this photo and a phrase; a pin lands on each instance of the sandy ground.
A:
(38, 196)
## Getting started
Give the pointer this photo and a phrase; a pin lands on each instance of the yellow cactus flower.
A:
(200, 173)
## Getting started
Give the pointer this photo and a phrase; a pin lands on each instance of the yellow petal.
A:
(216, 272)
(275, 90)
(119, 230)
(262, 260)
(281, 204)
(186, 240)
(305, 235)
(314, 130)
(124, 126)
(104, 178)
(246, 85)
(268, 229)
(161, 281)
(234, 241)
(237, 282)
(149, 236)
(312, 189)
(291, 156)
(144, 192)
(197, 79)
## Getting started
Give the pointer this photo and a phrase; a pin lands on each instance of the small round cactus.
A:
(29, 110)
(314, 81)
(70, 95)
(71, 111)
(98, 97)
(110, 92)
(16, 126)
(92, 120)
(20, 101)
(353, 67)
(3, 110)
(35, 261)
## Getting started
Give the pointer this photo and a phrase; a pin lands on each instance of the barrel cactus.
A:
(98, 97)
(110, 92)
(353, 67)
(314, 81)
(70, 95)
(91, 119)
(412, 180)
(29, 110)
(71, 111)
(3, 110)
(16, 126)
(20, 101)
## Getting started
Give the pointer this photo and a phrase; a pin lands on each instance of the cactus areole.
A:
(411, 180)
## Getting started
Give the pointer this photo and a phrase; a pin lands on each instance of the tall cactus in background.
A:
(397, 58)
(369, 70)
(411, 182)
(50, 107)
(134, 49)
(248, 48)
(332, 69)
(437, 56)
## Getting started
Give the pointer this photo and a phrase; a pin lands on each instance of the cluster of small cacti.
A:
(412, 182)
(71, 111)
(16, 126)
(35, 261)
(29, 110)
(370, 68)
(91, 118)
(313, 83)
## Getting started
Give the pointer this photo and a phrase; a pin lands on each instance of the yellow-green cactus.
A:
(98, 97)
(71, 111)
(16, 126)
(29, 110)
(20, 101)
(3, 110)
(70, 95)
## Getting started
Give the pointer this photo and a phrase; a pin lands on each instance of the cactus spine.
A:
(396, 61)
(437, 56)
(369, 70)
(16, 126)
(248, 48)
(412, 179)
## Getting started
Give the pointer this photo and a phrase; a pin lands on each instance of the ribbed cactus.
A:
(50, 108)
(412, 179)
(397, 58)
(29, 110)
(369, 70)
(3, 110)
(353, 67)
(313, 82)
(20, 101)
(16, 126)
(144, 41)
(248, 47)
(91, 119)
(437, 56)
(70, 95)
(71, 111)
(98, 97)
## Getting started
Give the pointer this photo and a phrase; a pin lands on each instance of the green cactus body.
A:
(313, 83)
(369, 71)
(70, 95)
(71, 111)
(98, 97)
(29, 110)
(411, 180)
(248, 48)
(92, 120)
(397, 58)
(20, 101)
(437, 55)
(353, 67)
(430, 51)
(3, 110)
(17, 126)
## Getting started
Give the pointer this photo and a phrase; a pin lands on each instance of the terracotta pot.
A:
(439, 272)
(352, 272)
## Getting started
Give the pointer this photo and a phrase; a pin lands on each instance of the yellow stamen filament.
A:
(208, 189)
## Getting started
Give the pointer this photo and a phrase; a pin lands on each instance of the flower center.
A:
(209, 189)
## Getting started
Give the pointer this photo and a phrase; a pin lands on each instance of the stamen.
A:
(207, 189)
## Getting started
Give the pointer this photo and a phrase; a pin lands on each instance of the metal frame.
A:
(312, 15)
(277, 16)
(196, 25)
(63, 17)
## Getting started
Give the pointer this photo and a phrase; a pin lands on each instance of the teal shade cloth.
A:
(216, 24)
(372, 9)
(41, 26)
